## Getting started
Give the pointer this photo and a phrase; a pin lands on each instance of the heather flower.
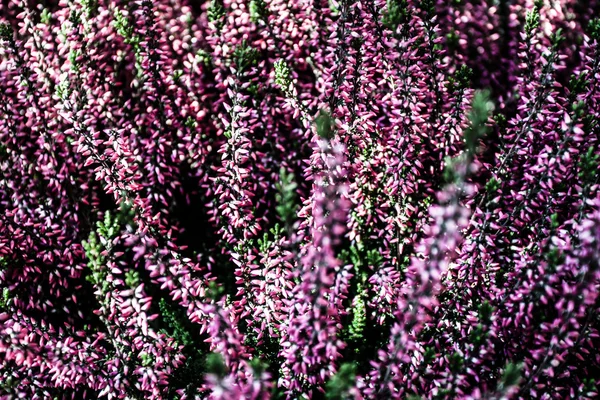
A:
(299, 199)
(311, 343)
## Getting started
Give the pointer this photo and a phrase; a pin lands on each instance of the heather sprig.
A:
(336, 199)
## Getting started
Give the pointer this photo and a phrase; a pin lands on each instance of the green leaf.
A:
(481, 109)
(340, 384)
(456, 363)
(45, 17)
(6, 32)
(532, 21)
(594, 29)
(216, 12)
(359, 316)
(492, 185)
(589, 164)
(325, 124)
(245, 56)
(216, 365)
(485, 311)
(282, 74)
(511, 375)
(286, 197)
(397, 14)
(4, 299)
(89, 6)
(258, 10)
(132, 278)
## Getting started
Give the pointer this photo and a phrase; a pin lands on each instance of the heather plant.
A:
(266, 199)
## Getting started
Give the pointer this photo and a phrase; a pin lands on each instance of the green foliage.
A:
(355, 332)
(258, 366)
(556, 38)
(108, 228)
(353, 255)
(75, 17)
(8, 382)
(554, 222)
(216, 365)
(532, 20)
(265, 243)
(215, 13)
(481, 109)
(190, 122)
(63, 89)
(258, 10)
(579, 109)
(100, 241)
(245, 56)
(357, 43)
(283, 74)
(73, 57)
(214, 291)
(125, 30)
(429, 356)
(189, 375)
(501, 121)
(590, 387)
(594, 29)
(428, 6)
(176, 325)
(511, 376)
(89, 7)
(132, 278)
(538, 4)
(461, 79)
(500, 278)
(452, 40)
(492, 185)
(338, 387)
(360, 256)
(4, 299)
(286, 198)
(203, 57)
(6, 32)
(96, 260)
(359, 316)
(177, 74)
(325, 125)
(554, 257)
(450, 174)
(589, 164)
(147, 359)
(456, 363)
(397, 14)
(578, 83)
(479, 333)
(266, 353)
(45, 17)
(177, 330)
(485, 312)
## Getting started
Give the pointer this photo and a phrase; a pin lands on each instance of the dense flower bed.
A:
(288, 199)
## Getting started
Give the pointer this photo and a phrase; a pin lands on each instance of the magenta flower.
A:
(299, 199)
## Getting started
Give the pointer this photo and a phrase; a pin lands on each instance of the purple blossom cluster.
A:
(299, 199)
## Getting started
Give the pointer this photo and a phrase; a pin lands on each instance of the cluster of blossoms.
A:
(299, 199)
